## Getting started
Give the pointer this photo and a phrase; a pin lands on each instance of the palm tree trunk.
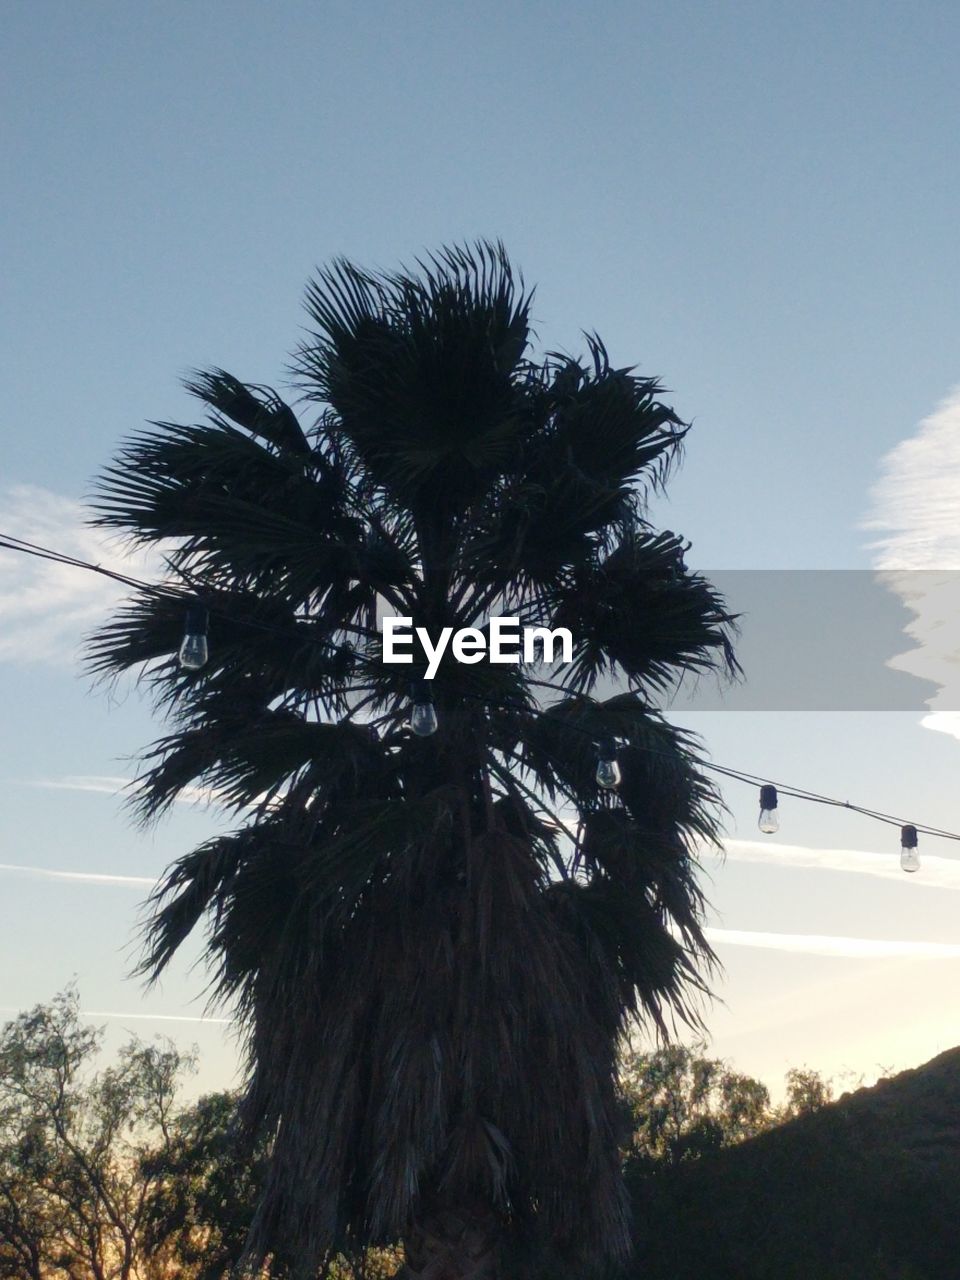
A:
(459, 1242)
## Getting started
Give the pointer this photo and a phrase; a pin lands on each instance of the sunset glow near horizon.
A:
(759, 207)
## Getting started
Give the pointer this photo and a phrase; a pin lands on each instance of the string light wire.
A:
(10, 543)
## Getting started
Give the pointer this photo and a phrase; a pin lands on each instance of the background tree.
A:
(72, 1143)
(806, 1091)
(683, 1104)
(433, 975)
(205, 1185)
(26, 1229)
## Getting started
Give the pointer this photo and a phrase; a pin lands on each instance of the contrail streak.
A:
(813, 944)
(936, 872)
(155, 1017)
(83, 877)
(139, 1017)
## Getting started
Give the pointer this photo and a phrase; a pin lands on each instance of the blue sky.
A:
(757, 202)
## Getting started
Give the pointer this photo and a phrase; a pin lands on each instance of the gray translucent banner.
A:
(838, 640)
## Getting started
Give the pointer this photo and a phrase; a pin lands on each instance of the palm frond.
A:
(400, 358)
(639, 611)
(258, 409)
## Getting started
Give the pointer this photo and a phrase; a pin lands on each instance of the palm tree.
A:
(434, 944)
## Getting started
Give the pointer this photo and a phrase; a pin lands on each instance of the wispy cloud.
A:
(914, 515)
(935, 872)
(46, 608)
(915, 501)
(814, 944)
(943, 722)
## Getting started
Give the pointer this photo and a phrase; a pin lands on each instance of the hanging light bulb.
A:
(768, 822)
(608, 767)
(194, 650)
(909, 858)
(423, 714)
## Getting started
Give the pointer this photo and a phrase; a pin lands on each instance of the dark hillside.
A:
(866, 1189)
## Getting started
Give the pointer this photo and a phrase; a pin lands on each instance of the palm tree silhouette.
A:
(434, 944)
